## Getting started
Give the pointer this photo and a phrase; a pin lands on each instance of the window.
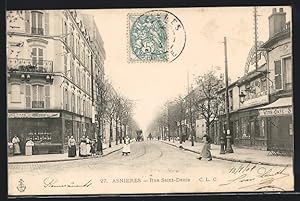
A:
(47, 96)
(36, 23)
(263, 85)
(66, 64)
(38, 96)
(230, 100)
(262, 128)
(78, 76)
(37, 56)
(278, 76)
(287, 65)
(73, 102)
(66, 99)
(72, 39)
(15, 93)
(65, 32)
(27, 96)
(244, 125)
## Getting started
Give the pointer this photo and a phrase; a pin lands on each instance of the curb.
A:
(232, 159)
(64, 160)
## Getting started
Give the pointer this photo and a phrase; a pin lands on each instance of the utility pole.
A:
(255, 36)
(190, 111)
(228, 133)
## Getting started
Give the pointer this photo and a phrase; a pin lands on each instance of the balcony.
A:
(28, 65)
(37, 31)
(37, 104)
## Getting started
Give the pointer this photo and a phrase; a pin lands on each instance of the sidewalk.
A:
(59, 157)
(240, 154)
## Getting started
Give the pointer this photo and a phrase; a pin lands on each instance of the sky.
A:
(150, 85)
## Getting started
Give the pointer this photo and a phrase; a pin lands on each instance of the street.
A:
(152, 167)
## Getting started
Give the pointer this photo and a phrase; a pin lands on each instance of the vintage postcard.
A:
(150, 101)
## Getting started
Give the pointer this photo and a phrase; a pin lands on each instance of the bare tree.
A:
(205, 99)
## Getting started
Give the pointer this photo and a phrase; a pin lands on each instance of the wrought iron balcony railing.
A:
(37, 31)
(28, 65)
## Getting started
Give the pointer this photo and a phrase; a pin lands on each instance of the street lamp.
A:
(242, 97)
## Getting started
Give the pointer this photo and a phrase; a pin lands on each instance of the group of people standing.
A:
(87, 147)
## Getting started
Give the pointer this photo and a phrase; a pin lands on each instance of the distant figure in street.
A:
(88, 146)
(99, 145)
(72, 147)
(82, 147)
(126, 148)
(205, 152)
(16, 146)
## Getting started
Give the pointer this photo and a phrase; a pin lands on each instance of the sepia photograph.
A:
(138, 101)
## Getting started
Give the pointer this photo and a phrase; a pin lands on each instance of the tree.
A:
(205, 98)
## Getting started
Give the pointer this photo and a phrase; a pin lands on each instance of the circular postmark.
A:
(156, 35)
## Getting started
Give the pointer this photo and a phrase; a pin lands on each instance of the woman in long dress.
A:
(16, 145)
(126, 148)
(205, 152)
(82, 147)
(72, 147)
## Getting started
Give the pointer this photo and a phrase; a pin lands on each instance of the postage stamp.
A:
(155, 36)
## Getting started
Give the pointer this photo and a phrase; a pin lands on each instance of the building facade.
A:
(261, 101)
(49, 78)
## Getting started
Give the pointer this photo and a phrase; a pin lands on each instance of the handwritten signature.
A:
(53, 183)
(259, 177)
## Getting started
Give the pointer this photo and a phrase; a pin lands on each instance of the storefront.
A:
(43, 128)
(279, 118)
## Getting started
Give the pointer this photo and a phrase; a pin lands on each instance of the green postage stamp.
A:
(155, 36)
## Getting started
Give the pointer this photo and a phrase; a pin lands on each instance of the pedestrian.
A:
(99, 145)
(82, 147)
(205, 152)
(72, 147)
(88, 146)
(126, 147)
(93, 148)
(16, 145)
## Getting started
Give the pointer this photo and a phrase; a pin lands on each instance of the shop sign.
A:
(255, 101)
(34, 115)
(282, 111)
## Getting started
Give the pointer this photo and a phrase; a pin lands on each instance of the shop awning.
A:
(281, 107)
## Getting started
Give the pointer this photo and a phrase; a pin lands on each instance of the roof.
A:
(281, 102)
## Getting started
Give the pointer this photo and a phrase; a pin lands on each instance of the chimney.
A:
(277, 22)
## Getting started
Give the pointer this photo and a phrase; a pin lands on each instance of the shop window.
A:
(244, 128)
(37, 56)
(38, 96)
(287, 65)
(262, 128)
(15, 93)
(278, 75)
(37, 23)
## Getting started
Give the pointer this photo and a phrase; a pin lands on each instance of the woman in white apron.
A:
(126, 148)
(16, 145)
(82, 147)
